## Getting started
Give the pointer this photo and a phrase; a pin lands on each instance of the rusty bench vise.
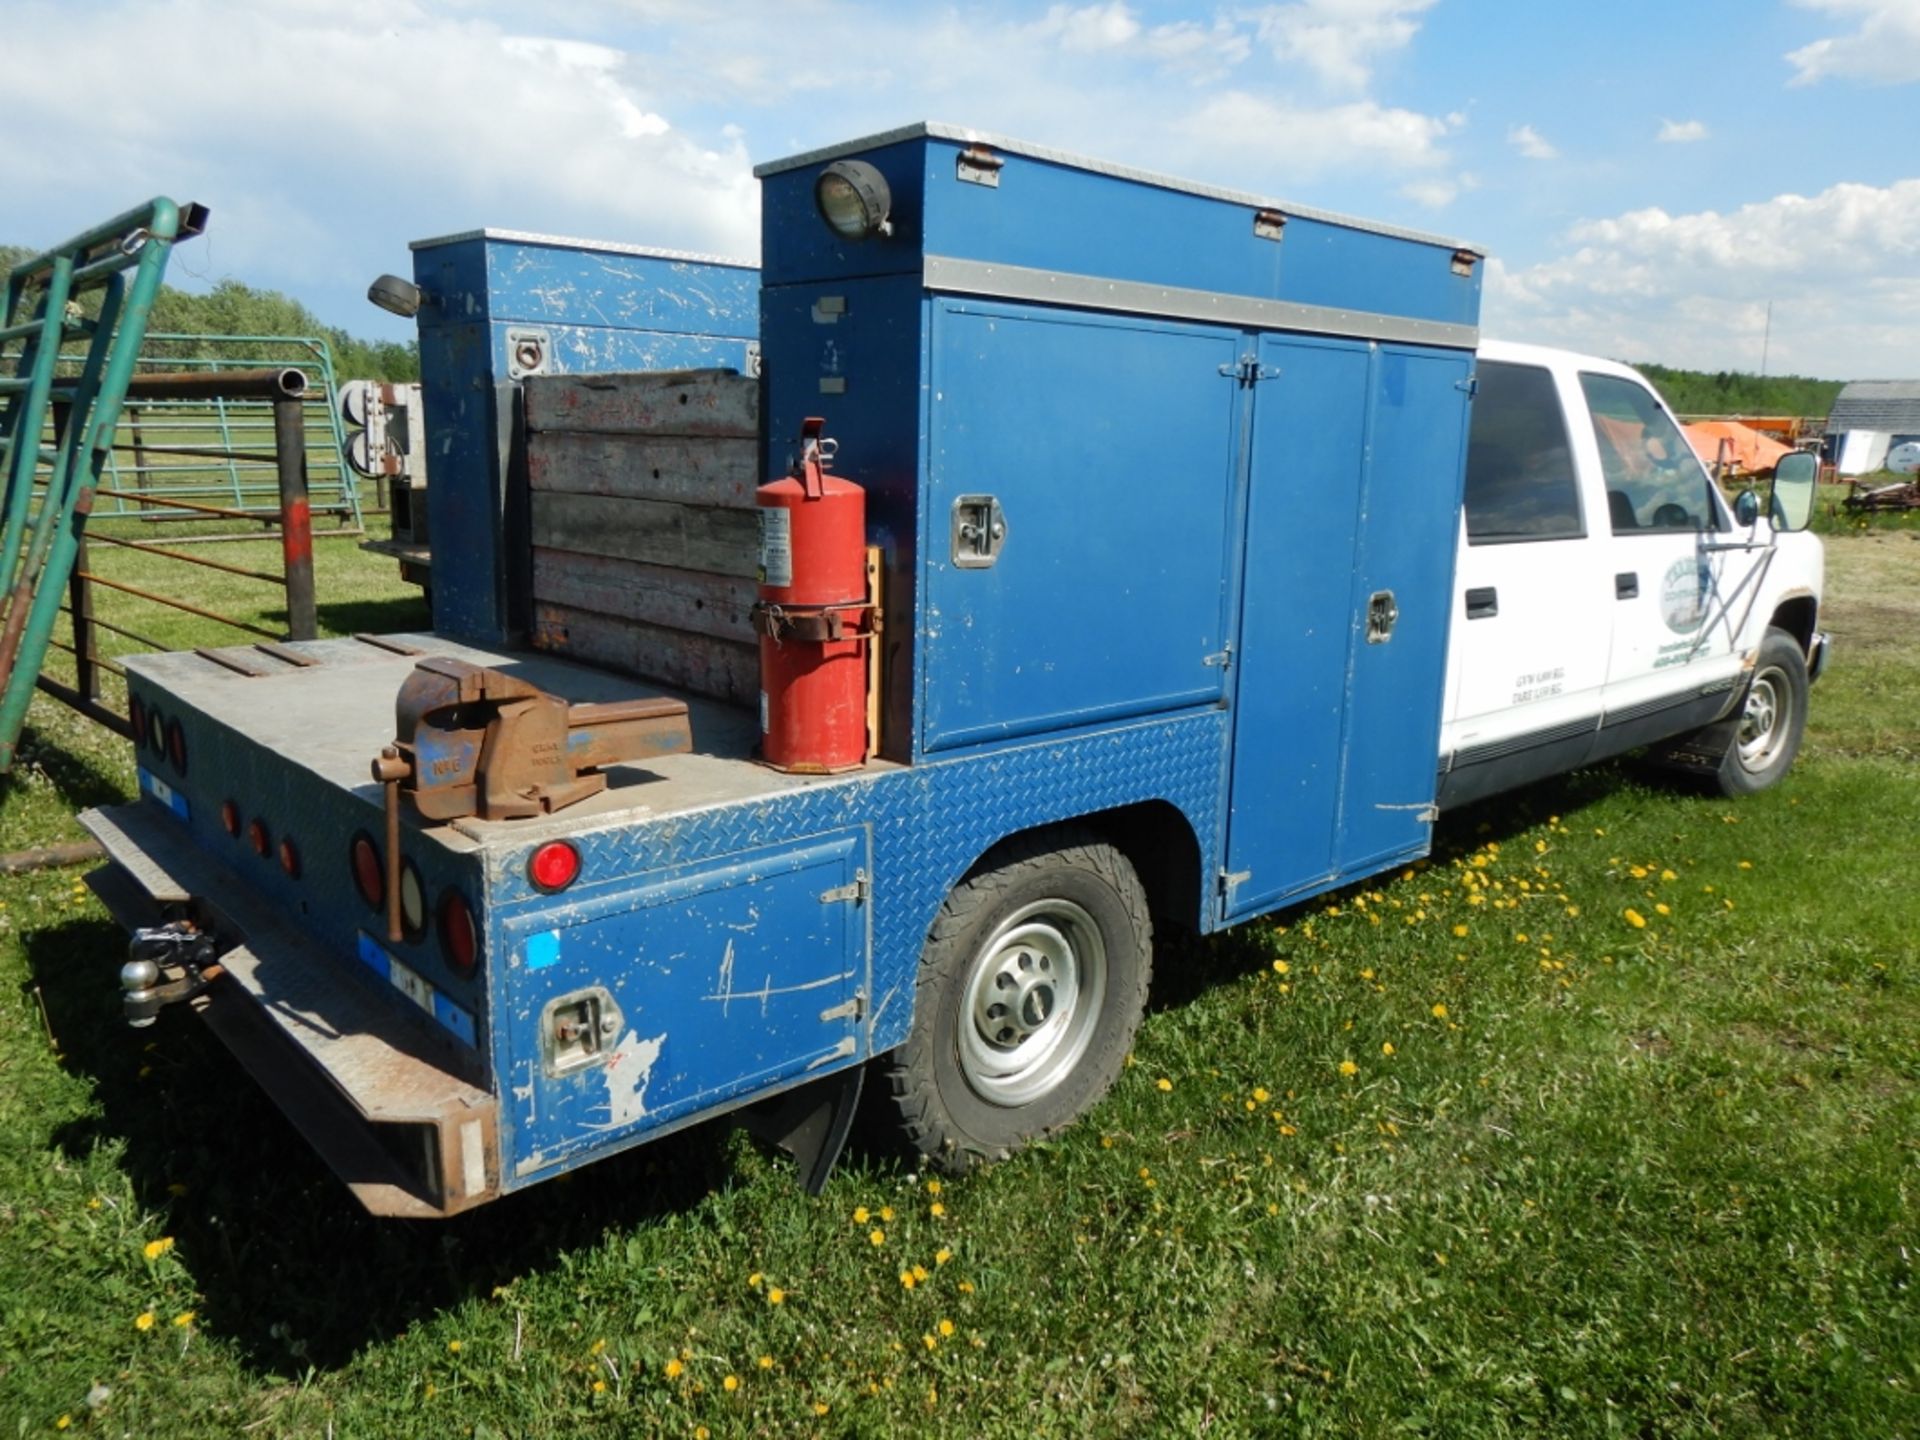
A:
(474, 741)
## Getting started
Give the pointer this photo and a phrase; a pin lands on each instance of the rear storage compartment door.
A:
(695, 986)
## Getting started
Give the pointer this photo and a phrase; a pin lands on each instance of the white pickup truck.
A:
(1609, 598)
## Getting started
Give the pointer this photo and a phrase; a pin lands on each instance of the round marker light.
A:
(459, 942)
(257, 837)
(290, 858)
(230, 818)
(854, 199)
(177, 746)
(413, 902)
(369, 878)
(554, 866)
(137, 719)
(156, 732)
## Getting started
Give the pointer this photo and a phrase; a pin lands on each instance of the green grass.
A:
(1610, 1181)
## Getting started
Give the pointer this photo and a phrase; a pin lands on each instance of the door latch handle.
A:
(979, 530)
(1382, 615)
(1483, 603)
(1626, 585)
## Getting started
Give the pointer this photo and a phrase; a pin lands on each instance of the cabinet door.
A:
(1104, 449)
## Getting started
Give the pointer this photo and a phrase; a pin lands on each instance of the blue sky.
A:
(1646, 176)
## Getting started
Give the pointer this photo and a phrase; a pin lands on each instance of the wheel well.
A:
(1797, 617)
(1157, 840)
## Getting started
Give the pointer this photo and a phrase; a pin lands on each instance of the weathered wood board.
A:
(645, 537)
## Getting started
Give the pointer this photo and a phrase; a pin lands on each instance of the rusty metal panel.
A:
(713, 404)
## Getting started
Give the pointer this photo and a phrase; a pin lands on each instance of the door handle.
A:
(979, 529)
(1483, 603)
(1626, 585)
(1382, 615)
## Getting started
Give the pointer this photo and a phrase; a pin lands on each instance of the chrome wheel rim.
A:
(1763, 727)
(1032, 1001)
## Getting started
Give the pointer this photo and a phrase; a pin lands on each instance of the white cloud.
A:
(1530, 143)
(1884, 50)
(1436, 193)
(1339, 40)
(1842, 269)
(1091, 27)
(1681, 132)
(1296, 143)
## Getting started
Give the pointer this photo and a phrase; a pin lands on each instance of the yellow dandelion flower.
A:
(674, 1368)
(1386, 1047)
(933, 1187)
(1638, 872)
(1280, 967)
(1520, 939)
(765, 1362)
(1661, 909)
(1439, 1011)
(1636, 919)
(700, 1432)
(63, 1422)
(1260, 1094)
(820, 1407)
(942, 1256)
(936, 1209)
(776, 1296)
(920, 1272)
(945, 1328)
(144, 1320)
(1347, 1067)
(966, 1287)
(1367, 974)
(929, 1341)
(1288, 1130)
(860, 1214)
(730, 1384)
(1574, 911)
(1668, 875)
(753, 1280)
(1746, 864)
(453, 1347)
(599, 1387)
(154, 1249)
(907, 1282)
(886, 1213)
(1163, 1083)
(876, 1236)
(1460, 930)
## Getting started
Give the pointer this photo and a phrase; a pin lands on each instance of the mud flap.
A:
(809, 1122)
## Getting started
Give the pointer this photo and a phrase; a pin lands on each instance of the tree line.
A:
(1732, 392)
(233, 308)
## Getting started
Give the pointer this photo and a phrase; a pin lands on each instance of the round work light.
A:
(853, 198)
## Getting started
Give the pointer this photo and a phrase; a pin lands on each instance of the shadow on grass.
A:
(80, 782)
(376, 617)
(293, 1272)
(1188, 966)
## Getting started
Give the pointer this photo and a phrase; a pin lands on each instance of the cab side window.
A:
(1520, 479)
(1654, 481)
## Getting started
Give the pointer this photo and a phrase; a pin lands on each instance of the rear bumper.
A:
(368, 1088)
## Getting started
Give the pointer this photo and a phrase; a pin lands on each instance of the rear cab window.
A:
(1520, 475)
(1655, 484)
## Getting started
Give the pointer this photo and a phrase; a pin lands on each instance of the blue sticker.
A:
(459, 1021)
(372, 956)
(163, 792)
(543, 950)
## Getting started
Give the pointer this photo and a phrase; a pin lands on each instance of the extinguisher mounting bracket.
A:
(816, 456)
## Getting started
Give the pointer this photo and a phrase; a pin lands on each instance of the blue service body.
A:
(591, 308)
(1229, 468)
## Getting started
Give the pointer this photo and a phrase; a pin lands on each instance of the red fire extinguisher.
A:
(813, 614)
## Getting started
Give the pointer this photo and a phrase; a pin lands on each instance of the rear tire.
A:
(1031, 986)
(1772, 719)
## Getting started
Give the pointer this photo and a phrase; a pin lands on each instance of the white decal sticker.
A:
(776, 546)
(627, 1071)
(1684, 592)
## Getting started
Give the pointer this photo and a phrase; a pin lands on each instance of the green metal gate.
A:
(50, 487)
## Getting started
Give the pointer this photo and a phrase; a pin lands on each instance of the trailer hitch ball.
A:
(139, 980)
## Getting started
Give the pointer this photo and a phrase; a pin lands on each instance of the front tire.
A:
(1031, 986)
(1772, 720)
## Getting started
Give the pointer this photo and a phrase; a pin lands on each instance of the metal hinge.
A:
(1222, 658)
(1229, 879)
(977, 165)
(858, 892)
(1248, 369)
(1471, 385)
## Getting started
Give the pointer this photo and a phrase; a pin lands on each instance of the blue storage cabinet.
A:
(1220, 431)
(502, 305)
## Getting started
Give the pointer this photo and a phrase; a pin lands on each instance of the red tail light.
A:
(257, 836)
(137, 719)
(290, 858)
(369, 877)
(177, 746)
(230, 818)
(459, 941)
(554, 866)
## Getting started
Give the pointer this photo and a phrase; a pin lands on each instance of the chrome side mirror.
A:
(1746, 509)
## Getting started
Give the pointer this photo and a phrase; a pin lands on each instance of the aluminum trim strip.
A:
(936, 130)
(573, 242)
(1056, 287)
